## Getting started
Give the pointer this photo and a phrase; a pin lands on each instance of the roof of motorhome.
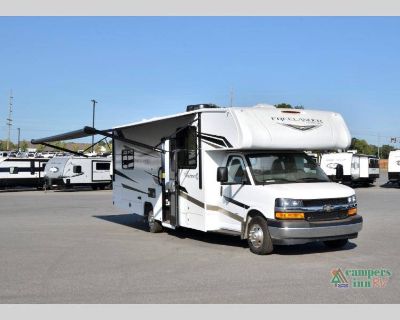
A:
(182, 114)
(216, 110)
(267, 127)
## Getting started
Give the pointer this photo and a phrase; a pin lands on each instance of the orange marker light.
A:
(289, 215)
(352, 212)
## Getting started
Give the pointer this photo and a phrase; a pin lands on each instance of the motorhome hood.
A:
(316, 190)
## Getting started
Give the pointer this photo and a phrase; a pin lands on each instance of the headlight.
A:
(352, 199)
(288, 203)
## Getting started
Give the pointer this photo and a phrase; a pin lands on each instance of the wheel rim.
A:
(256, 236)
(150, 219)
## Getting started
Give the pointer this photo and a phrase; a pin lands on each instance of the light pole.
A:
(94, 108)
(19, 137)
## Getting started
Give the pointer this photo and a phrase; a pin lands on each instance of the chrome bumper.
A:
(298, 232)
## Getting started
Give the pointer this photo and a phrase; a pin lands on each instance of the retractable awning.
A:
(87, 132)
(81, 133)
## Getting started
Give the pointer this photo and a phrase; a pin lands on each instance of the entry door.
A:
(355, 168)
(364, 167)
(171, 181)
(233, 192)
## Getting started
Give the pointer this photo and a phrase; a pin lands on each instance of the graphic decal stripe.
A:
(211, 207)
(216, 139)
(242, 205)
(191, 199)
(225, 212)
(117, 172)
(133, 189)
(211, 144)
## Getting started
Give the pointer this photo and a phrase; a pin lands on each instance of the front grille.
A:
(322, 202)
(324, 216)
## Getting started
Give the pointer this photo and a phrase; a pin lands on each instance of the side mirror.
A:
(339, 172)
(222, 174)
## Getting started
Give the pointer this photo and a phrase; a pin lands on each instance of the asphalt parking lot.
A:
(75, 247)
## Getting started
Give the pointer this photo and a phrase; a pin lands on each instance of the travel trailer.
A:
(74, 171)
(238, 171)
(19, 172)
(357, 168)
(394, 166)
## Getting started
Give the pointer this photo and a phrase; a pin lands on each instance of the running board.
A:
(167, 225)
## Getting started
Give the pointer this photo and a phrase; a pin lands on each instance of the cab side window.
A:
(236, 171)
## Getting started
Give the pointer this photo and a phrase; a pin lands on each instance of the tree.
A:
(385, 150)
(283, 105)
(363, 147)
(288, 106)
(40, 148)
(24, 145)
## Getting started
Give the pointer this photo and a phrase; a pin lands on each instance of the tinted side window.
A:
(14, 170)
(77, 169)
(236, 171)
(186, 143)
(102, 166)
(128, 160)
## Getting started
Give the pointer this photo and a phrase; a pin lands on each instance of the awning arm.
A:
(89, 131)
(63, 149)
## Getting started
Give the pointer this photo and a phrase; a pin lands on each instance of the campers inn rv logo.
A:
(301, 123)
(360, 278)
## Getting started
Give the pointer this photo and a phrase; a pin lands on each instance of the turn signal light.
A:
(352, 212)
(289, 215)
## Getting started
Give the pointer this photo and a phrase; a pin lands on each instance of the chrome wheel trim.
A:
(256, 236)
(150, 219)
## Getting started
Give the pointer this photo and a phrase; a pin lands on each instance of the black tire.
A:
(336, 244)
(258, 236)
(94, 188)
(154, 225)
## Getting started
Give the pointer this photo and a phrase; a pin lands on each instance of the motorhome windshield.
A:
(270, 168)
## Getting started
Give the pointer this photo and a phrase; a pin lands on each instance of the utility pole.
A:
(94, 110)
(379, 145)
(9, 120)
(231, 104)
(19, 137)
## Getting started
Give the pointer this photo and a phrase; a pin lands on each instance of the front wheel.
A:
(154, 225)
(336, 244)
(258, 236)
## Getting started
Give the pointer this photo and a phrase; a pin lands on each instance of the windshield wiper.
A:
(277, 180)
(312, 180)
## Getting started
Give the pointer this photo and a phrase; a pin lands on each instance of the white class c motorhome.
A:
(239, 171)
(73, 171)
(394, 166)
(357, 168)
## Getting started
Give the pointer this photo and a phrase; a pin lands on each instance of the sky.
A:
(142, 67)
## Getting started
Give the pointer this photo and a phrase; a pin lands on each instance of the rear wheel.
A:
(258, 236)
(336, 244)
(154, 225)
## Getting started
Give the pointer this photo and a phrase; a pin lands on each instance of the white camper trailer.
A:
(239, 171)
(357, 168)
(73, 171)
(19, 172)
(394, 166)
